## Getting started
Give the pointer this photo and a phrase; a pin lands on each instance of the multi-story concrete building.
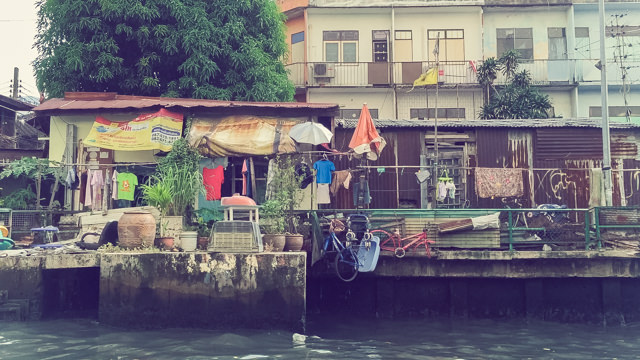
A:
(357, 51)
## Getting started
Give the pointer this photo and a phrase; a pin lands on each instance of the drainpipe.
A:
(571, 39)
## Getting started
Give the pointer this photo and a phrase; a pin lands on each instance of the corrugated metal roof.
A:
(110, 101)
(498, 123)
(14, 104)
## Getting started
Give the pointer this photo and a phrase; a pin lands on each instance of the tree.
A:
(518, 99)
(223, 49)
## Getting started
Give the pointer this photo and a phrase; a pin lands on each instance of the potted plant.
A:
(159, 193)
(180, 171)
(272, 214)
(285, 194)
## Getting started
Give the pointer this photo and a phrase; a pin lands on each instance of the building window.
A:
(557, 43)
(340, 46)
(448, 44)
(583, 46)
(615, 111)
(355, 113)
(403, 46)
(520, 39)
(297, 37)
(443, 113)
(380, 45)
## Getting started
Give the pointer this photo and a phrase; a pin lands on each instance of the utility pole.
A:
(15, 83)
(604, 94)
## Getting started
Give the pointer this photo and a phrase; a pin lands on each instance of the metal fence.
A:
(552, 229)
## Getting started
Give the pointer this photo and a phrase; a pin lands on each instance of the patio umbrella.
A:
(310, 133)
(365, 138)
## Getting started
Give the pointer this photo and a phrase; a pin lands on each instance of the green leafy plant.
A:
(22, 199)
(35, 170)
(158, 193)
(285, 194)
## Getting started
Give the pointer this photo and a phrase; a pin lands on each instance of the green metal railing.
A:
(627, 214)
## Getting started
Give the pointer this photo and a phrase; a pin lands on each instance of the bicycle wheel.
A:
(388, 241)
(346, 265)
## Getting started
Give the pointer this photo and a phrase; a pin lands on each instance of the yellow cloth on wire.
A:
(428, 78)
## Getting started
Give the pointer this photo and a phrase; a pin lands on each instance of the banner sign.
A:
(155, 131)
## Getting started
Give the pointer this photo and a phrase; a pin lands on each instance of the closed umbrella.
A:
(310, 133)
(365, 138)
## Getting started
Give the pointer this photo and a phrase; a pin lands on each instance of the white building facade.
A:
(371, 51)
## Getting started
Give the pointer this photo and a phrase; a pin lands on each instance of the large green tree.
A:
(213, 49)
(518, 99)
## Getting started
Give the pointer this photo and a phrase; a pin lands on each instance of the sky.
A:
(17, 32)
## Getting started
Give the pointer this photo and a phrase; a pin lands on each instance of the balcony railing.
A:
(368, 74)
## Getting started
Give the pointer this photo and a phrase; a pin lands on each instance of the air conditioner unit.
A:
(324, 70)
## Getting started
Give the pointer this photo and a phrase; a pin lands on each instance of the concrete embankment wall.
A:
(153, 290)
(569, 287)
(204, 290)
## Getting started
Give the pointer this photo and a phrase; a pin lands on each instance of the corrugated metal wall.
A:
(384, 185)
(563, 159)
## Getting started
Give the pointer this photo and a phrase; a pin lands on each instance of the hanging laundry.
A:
(97, 182)
(114, 183)
(323, 194)
(450, 188)
(88, 195)
(212, 180)
(126, 186)
(499, 182)
(339, 178)
(303, 171)
(271, 173)
(83, 186)
(423, 175)
(324, 169)
(244, 177)
(361, 197)
(347, 181)
(72, 181)
(441, 191)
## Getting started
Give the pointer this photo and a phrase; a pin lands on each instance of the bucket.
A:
(189, 240)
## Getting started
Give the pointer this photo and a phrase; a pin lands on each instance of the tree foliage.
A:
(518, 99)
(223, 49)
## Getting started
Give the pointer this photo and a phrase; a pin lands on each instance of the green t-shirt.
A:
(126, 185)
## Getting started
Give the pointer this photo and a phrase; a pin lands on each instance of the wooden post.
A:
(253, 178)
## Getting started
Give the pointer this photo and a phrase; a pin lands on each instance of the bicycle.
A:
(399, 245)
(346, 262)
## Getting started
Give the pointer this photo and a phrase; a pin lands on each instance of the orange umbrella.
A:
(365, 138)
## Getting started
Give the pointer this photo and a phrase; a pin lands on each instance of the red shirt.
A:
(212, 180)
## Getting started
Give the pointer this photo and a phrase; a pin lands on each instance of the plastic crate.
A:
(235, 236)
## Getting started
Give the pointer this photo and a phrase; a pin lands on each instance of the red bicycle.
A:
(399, 245)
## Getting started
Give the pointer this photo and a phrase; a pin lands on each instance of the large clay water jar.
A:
(136, 229)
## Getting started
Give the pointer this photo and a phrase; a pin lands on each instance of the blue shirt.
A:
(324, 168)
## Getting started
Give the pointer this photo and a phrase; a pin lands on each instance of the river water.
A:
(327, 338)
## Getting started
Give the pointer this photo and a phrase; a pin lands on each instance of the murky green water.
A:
(327, 338)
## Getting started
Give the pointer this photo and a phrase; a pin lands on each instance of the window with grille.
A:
(355, 113)
(520, 39)
(340, 46)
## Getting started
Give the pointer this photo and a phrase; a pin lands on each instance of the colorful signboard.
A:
(155, 131)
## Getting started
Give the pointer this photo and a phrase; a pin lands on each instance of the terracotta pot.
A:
(275, 241)
(203, 243)
(136, 229)
(293, 242)
(165, 243)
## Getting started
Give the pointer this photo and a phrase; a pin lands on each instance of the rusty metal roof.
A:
(497, 123)
(112, 101)
(13, 104)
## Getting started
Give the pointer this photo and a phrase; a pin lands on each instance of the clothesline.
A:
(448, 167)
